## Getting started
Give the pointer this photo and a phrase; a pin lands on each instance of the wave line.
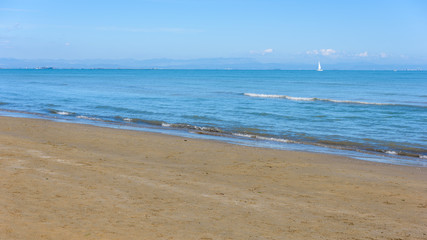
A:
(322, 100)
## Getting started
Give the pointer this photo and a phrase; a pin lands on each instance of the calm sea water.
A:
(377, 113)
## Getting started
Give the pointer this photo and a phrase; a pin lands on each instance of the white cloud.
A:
(263, 52)
(324, 52)
(383, 55)
(363, 54)
(313, 52)
(268, 50)
(67, 44)
(327, 52)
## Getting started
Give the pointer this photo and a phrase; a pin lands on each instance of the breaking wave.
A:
(193, 127)
(321, 99)
(256, 134)
(64, 113)
(89, 118)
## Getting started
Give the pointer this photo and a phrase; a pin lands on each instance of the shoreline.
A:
(261, 142)
(75, 181)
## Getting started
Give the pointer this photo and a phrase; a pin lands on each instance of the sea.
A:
(376, 116)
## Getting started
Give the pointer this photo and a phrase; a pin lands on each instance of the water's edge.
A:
(232, 139)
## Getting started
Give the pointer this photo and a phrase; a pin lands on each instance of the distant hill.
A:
(203, 63)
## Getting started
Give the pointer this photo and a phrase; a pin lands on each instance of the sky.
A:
(267, 30)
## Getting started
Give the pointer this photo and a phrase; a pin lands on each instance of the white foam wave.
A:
(263, 138)
(64, 113)
(188, 126)
(310, 99)
(274, 139)
(423, 156)
(354, 102)
(391, 152)
(244, 135)
(88, 118)
(300, 98)
(208, 129)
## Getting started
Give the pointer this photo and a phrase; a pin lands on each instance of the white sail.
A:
(319, 68)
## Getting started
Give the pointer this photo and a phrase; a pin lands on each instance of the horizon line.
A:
(211, 69)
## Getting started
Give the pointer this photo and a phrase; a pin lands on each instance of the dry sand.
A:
(71, 181)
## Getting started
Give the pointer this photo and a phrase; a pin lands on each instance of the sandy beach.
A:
(72, 181)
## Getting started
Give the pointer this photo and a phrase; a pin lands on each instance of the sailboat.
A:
(319, 68)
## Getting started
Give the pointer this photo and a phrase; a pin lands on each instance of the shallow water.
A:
(382, 113)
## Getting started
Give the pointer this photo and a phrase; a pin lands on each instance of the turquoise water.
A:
(375, 113)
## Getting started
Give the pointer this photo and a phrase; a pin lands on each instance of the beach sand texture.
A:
(71, 181)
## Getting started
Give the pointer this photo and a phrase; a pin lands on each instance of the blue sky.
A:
(268, 30)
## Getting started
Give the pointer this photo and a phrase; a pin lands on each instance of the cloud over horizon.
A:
(323, 52)
(263, 52)
(362, 54)
(266, 51)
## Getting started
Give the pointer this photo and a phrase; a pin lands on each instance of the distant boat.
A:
(44, 68)
(319, 68)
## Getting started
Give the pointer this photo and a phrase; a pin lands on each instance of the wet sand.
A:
(72, 181)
